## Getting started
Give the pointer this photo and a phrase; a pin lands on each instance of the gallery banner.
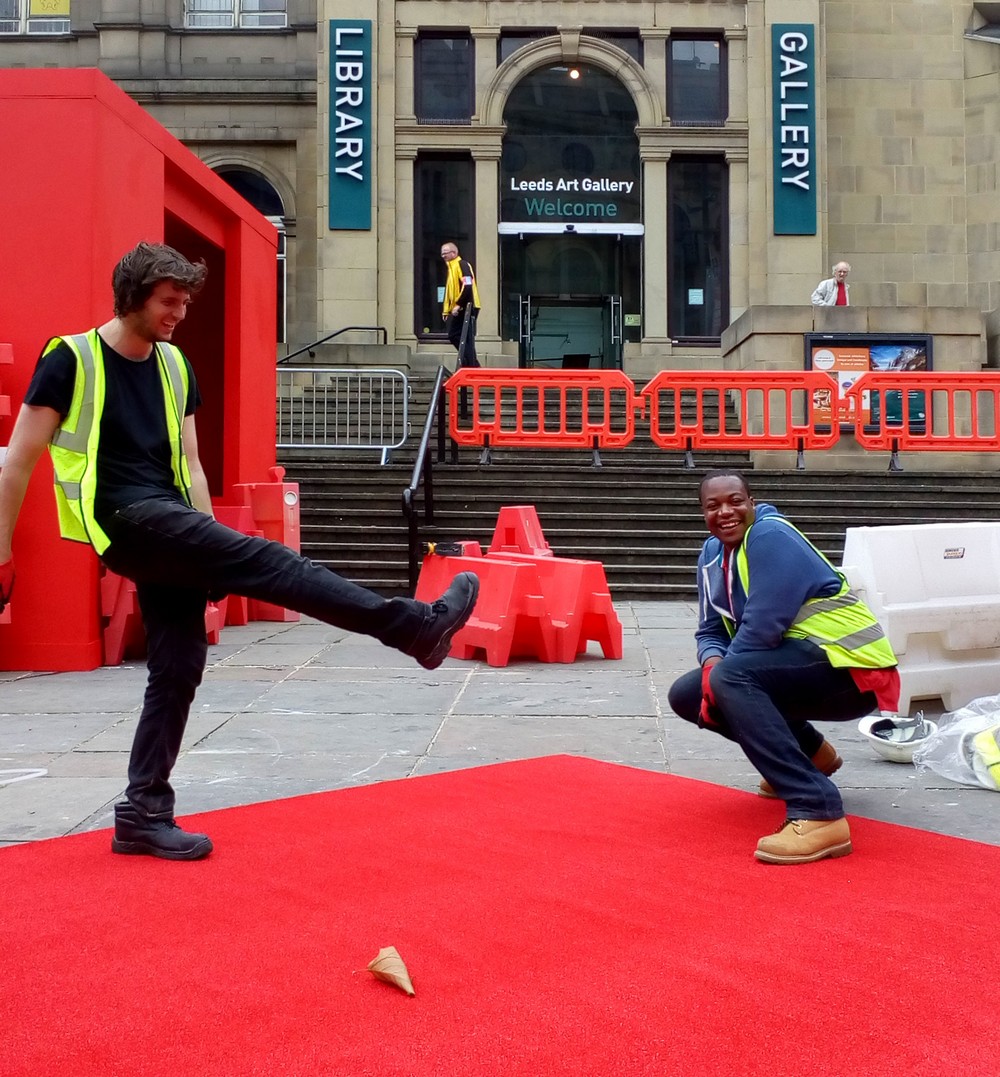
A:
(793, 128)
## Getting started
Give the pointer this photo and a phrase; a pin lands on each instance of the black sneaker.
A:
(137, 835)
(444, 618)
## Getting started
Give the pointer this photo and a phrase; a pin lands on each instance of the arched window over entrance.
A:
(570, 217)
(266, 200)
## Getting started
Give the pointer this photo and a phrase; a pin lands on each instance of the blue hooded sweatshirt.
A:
(784, 570)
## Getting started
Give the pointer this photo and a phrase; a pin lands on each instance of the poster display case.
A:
(846, 356)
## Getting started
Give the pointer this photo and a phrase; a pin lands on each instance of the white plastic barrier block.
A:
(935, 589)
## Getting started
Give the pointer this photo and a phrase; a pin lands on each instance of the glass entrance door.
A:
(565, 296)
(570, 333)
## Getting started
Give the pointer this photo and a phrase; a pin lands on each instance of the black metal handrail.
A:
(380, 329)
(423, 471)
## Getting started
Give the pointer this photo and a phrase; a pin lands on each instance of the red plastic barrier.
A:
(531, 604)
(961, 411)
(123, 632)
(275, 509)
(565, 409)
(6, 359)
(784, 419)
(235, 609)
(519, 530)
(509, 620)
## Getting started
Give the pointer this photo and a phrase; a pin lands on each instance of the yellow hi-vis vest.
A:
(456, 283)
(74, 445)
(841, 624)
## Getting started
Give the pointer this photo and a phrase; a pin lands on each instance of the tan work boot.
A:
(801, 841)
(826, 761)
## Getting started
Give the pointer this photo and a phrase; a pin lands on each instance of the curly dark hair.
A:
(144, 267)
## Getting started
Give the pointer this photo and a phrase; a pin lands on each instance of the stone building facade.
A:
(619, 173)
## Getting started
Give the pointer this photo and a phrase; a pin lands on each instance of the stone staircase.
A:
(637, 514)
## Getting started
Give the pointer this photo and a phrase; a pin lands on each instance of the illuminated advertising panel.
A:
(847, 356)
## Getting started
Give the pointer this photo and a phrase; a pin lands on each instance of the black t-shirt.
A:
(133, 455)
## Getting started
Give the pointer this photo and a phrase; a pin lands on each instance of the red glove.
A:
(6, 583)
(709, 714)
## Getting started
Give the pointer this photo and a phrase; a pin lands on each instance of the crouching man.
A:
(781, 641)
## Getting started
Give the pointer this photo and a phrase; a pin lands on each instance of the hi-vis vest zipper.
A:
(841, 624)
(74, 445)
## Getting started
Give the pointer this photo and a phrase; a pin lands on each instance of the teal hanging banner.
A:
(351, 124)
(793, 130)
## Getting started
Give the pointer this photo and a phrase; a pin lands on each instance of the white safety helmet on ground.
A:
(896, 738)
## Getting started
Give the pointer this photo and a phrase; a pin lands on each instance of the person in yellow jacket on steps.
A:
(782, 641)
(460, 295)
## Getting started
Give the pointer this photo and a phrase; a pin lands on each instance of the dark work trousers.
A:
(454, 326)
(766, 700)
(176, 556)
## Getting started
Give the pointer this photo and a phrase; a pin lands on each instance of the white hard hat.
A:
(895, 738)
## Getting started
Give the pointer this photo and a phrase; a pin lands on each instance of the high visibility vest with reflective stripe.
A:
(75, 443)
(841, 624)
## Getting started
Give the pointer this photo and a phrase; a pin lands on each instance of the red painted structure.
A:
(86, 175)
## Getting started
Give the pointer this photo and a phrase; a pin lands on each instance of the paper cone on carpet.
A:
(389, 966)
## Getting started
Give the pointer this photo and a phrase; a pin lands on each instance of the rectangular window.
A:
(697, 89)
(34, 17)
(512, 40)
(444, 204)
(443, 73)
(698, 239)
(627, 40)
(235, 14)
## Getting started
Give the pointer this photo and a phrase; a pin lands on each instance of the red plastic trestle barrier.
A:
(531, 604)
(274, 506)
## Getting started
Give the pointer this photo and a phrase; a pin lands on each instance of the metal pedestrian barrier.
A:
(343, 408)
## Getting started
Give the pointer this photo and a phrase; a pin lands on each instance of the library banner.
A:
(351, 133)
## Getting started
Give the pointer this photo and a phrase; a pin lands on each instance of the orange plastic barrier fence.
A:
(756, 409)
(558, 409)
(738, 410)
(950, 412)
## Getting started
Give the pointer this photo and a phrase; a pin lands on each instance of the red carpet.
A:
(557, 916)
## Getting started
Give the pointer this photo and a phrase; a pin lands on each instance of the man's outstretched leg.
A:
(160, 541)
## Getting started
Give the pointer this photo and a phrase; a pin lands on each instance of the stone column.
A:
(405, 314)
(654, 245)
(740, 269)
(487, 165)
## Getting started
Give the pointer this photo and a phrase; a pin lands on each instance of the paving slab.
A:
(292, 708)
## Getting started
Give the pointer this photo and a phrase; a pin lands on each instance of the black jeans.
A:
(176, 556)
(454, 327)
(767, 699)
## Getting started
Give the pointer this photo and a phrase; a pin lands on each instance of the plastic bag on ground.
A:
(966, 746)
